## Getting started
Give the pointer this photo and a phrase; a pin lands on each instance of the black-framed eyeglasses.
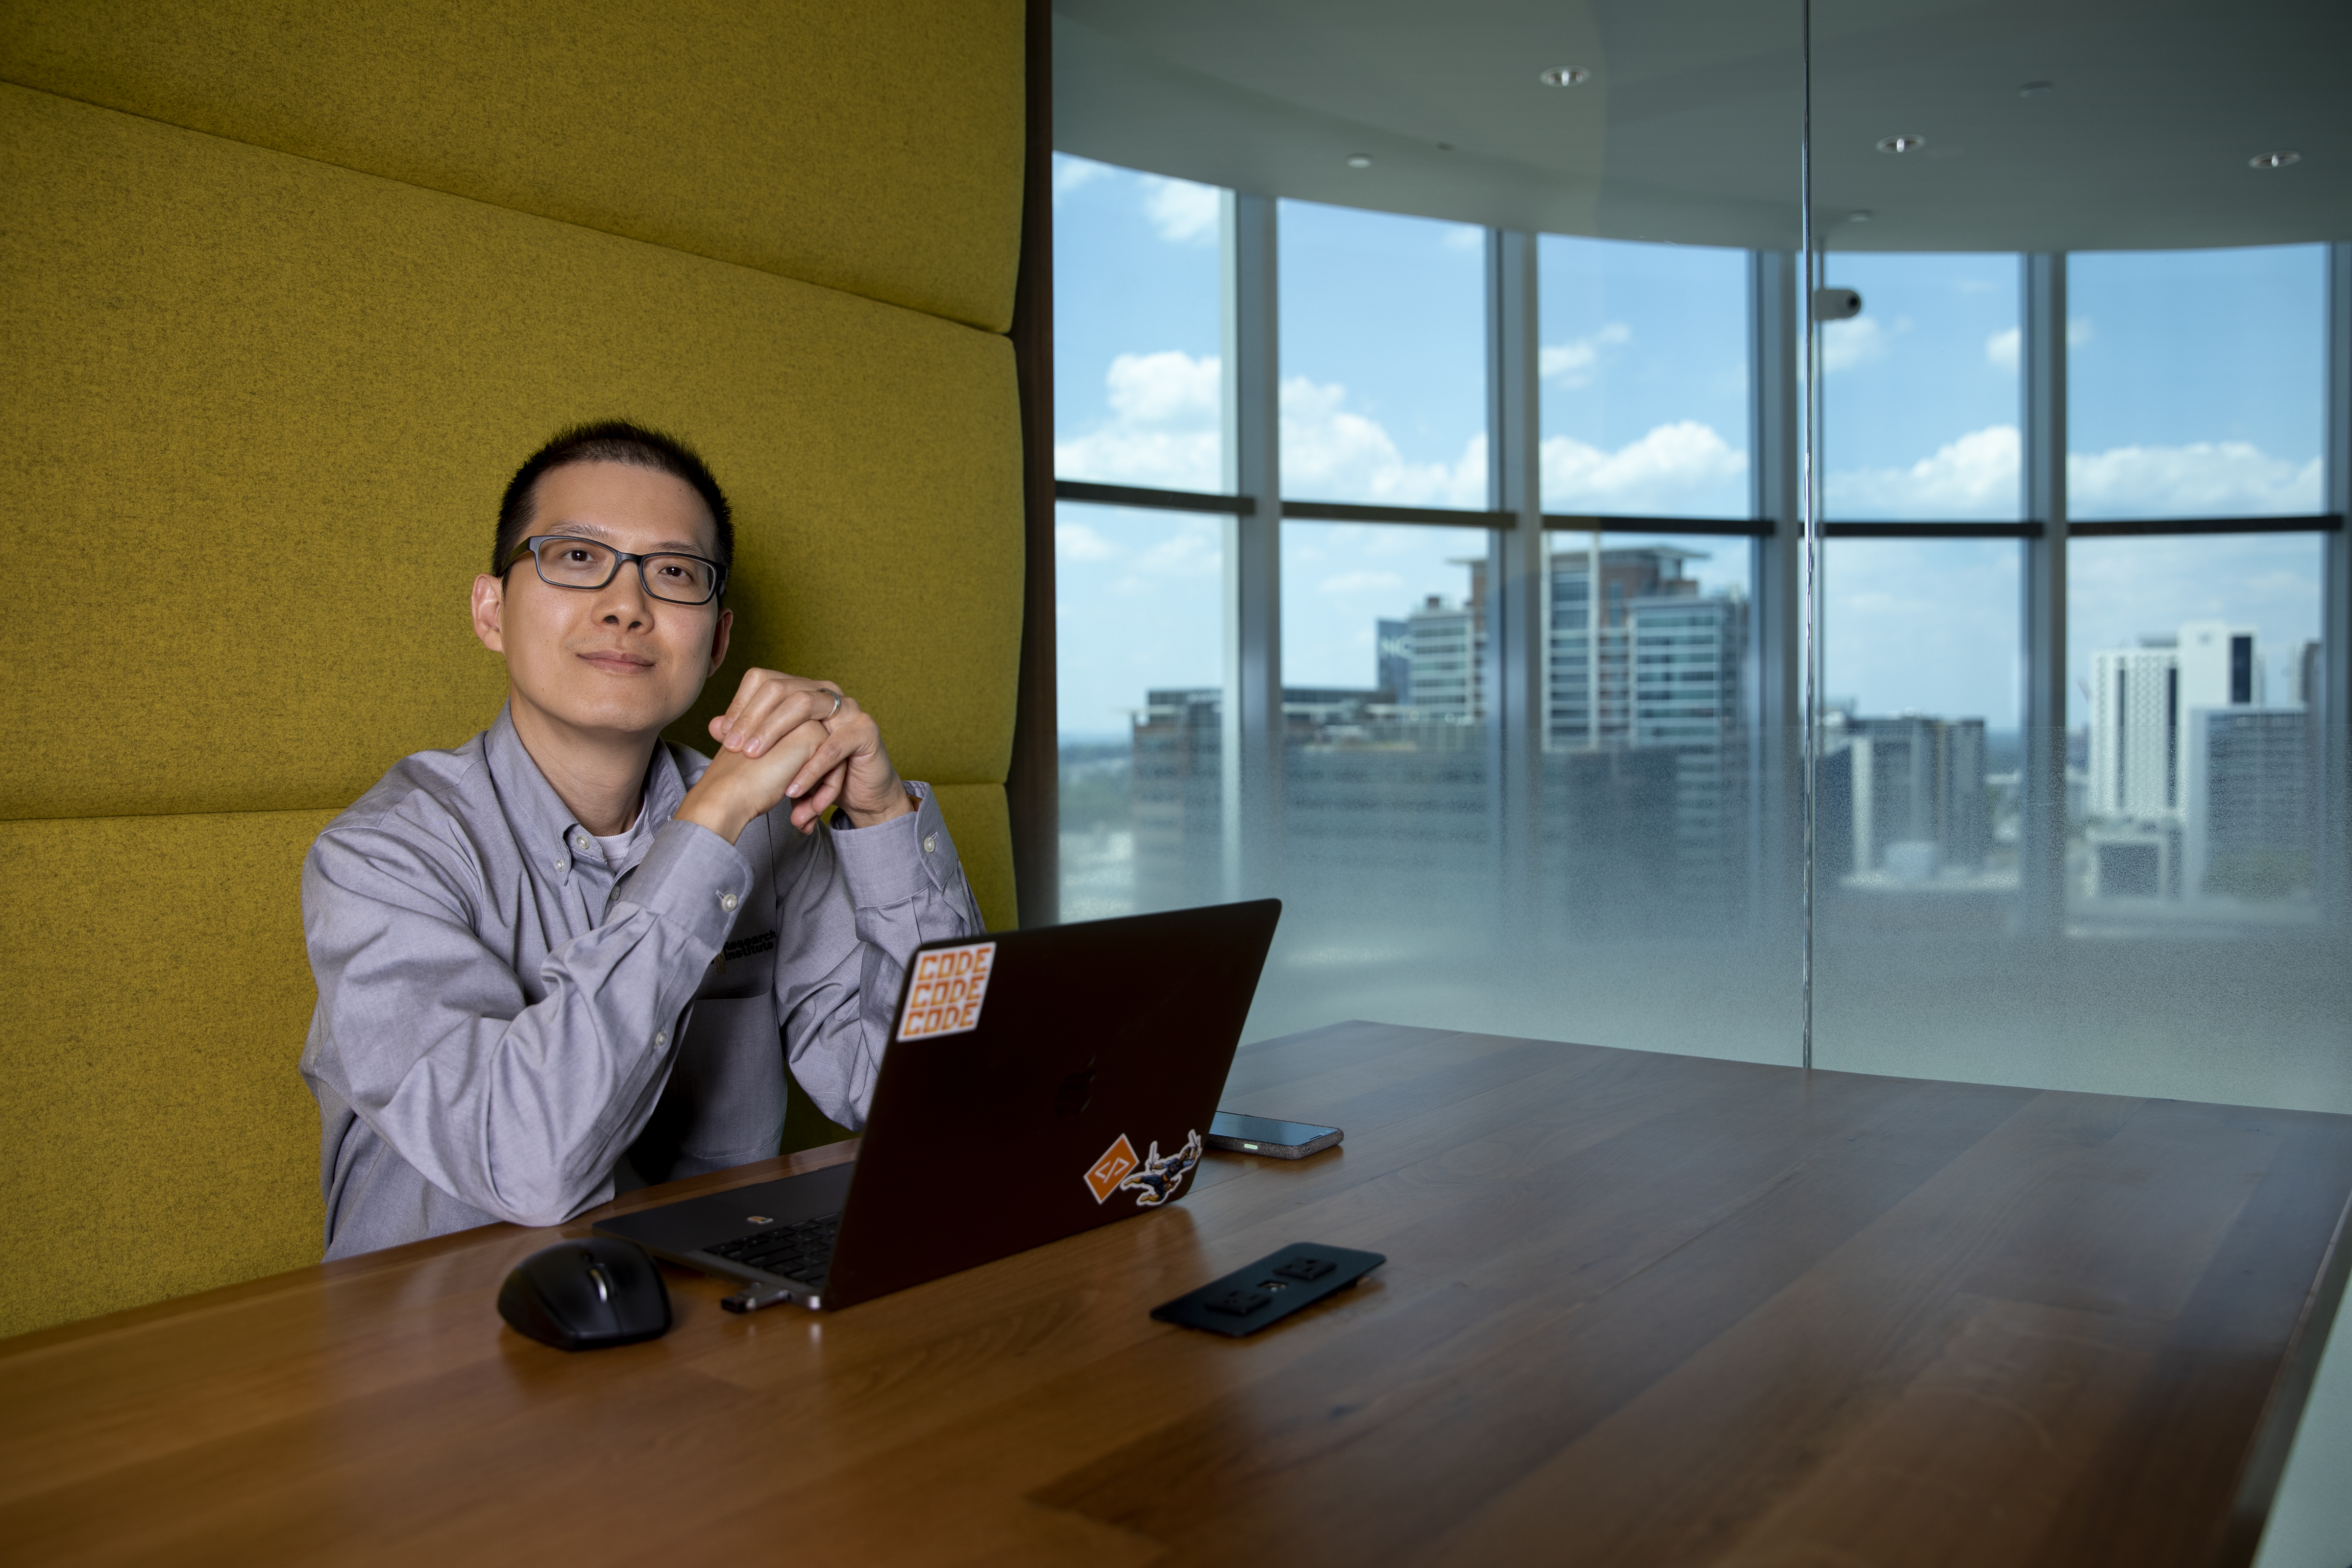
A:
(565, 561)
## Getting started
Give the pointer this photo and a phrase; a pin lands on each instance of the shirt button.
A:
(661, 1038)
(726, 902)
(927, 844)
(581, 844)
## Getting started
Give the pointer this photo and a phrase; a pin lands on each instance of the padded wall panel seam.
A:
(872, 149)
(276, 399)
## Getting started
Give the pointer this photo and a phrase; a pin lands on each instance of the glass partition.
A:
(1638, 526)
(1138, 379)
(2196, 382)
(1383, 358)
(1919, 416)
(1644, 376)
(1140, 680)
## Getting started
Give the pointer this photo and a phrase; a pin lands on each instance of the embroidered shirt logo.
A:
(745, 947)
(1111, 1169)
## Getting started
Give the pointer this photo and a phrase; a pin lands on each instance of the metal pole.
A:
(1809, 503)
(2332, 714)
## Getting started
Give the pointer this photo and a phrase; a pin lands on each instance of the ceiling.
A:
(1688, 129)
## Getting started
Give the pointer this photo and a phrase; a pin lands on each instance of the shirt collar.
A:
(541, 819)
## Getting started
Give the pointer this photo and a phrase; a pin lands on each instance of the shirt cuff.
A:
(693, 878)
(893, 861)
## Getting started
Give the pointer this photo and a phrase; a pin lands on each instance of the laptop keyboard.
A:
(803, 1251)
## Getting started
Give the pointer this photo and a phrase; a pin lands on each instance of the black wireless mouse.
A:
(586, 1294)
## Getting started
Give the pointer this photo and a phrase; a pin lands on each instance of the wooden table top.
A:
(1638, 1309)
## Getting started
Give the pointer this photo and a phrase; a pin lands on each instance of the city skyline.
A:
(1643, 410)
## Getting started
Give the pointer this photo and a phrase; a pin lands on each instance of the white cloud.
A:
(2204, 479)
(2002, 347)
(1333, 453)
(1075, 173)
(1193, 550)
(1974, 477)
(1361, 583)
(1572, 363)
(1670, 469)
(1462, 236)
(1169, 390)
(1184, 213)
(1162, 432)
(1076, 542)
(1854, 342)
(1977, 477)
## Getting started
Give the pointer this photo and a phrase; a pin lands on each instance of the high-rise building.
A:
(2249, 801)
(2140, 700)
(2134, 761)
(2306, 670)
(2219, 665)
(1393, 660)
(1904, 797)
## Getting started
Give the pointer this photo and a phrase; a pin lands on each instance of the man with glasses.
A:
(567, 959)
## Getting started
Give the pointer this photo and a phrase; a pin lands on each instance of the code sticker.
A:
(1110, 1171)
(948, 987)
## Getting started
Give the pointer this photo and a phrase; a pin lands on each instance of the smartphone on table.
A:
(1263, 1135)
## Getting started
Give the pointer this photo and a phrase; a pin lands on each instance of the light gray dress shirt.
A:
(509, 1029)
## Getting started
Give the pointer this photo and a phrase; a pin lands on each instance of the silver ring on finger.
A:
(837, 705)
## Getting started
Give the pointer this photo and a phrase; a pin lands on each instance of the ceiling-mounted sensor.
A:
(1836, 304)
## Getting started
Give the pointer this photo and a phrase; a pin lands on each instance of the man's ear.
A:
(718, 636)
(489, 612)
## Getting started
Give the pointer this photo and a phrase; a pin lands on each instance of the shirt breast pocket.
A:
(729, 1081)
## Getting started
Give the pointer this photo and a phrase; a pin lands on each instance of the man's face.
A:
(611, 661)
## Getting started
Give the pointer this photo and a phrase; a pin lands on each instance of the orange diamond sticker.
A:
(1111, 1169)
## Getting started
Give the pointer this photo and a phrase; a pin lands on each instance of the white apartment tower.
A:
(2140, 701)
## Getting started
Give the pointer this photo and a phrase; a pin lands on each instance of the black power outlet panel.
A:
(1268, 1290)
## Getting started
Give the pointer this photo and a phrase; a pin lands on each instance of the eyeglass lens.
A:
(583, 563)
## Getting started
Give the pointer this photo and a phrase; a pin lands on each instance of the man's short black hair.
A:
(608, 441)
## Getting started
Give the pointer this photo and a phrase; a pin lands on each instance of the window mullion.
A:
(1250, 742)
(2042, 863)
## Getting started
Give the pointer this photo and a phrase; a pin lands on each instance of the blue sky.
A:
(2196, 390)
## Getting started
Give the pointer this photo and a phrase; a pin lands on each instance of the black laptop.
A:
(1038, 1083)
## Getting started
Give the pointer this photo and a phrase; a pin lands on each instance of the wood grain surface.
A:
(1638, 1309)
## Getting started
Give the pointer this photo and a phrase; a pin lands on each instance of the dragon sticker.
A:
(1155, 1181)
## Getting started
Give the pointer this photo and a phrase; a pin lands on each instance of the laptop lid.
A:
(1039, 1083)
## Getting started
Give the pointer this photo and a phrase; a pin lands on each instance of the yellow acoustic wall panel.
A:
(977, 815)
(261, 409)
(874, 148)
(158, 1139)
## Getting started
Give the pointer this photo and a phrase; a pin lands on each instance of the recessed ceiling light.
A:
(2273, 160)
(1563, 76)
(1901, 144)
(1860, 215)
(1359, 161)
(2034, 88)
